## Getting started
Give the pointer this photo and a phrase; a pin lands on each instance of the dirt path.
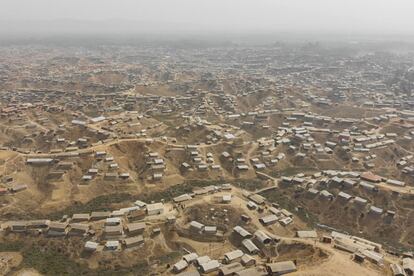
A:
(339, 264)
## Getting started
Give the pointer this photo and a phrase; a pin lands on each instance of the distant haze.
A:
(388, 17)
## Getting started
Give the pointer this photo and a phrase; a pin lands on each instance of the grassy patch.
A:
(249, 184)
(12, 246)
(100, 203)
(141, 268)
(50, 262)
(103, 202)
(167, 258)
(47, 260)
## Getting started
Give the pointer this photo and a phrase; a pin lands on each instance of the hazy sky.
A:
(389, 16)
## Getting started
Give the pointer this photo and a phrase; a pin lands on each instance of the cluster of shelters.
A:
(233, 263)
(118, 229)
(195, 160)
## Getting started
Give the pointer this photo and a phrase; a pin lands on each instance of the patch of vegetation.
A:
(50, 262)
(100, 203)
(167, 258)
(249, 184)
(177, 190)
(12, 246)
(103, 202)
(141, 268)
